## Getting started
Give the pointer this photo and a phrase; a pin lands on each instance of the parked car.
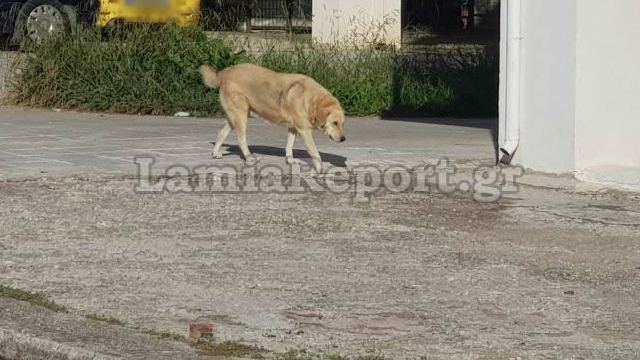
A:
(33, 20)
(24, 21)
(180, 12)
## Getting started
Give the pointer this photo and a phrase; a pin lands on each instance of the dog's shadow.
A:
(333, 159)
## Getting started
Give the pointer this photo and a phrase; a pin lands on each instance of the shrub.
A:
(459, 85)
(360, 79)
(387, 82)
(153, 69)
(145, 69)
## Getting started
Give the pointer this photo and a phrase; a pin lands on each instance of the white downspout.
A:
(511, 138)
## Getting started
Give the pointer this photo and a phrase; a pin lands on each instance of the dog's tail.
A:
(209, 76)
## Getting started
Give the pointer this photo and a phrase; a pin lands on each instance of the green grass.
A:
(298, 355)
(153, 70)
(164, 335)
(33, 298)
(228, 349)
(235, 349)
(362, 79)
(145, 69)
(105, 319)
(203, 346)
(212, 348)
(368, 81)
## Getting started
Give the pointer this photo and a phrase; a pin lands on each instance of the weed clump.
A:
(141, 69)
(33, 298)
(149, 69)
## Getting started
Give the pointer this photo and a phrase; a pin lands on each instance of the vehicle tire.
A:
(5, 42)
(39, 19)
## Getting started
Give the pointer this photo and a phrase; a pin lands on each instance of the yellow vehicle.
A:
(180, 12)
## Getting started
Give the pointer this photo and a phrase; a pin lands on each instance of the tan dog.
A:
(292, 100)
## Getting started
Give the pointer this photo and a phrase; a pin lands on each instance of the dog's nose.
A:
(343, 139)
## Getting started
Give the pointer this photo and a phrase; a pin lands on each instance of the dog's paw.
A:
(318, 171)
(294, 161)
(318, 166)
(252, 160)
(216, 155)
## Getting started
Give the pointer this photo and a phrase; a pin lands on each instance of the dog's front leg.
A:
(222, 136)
(291, 140)
(307, 136)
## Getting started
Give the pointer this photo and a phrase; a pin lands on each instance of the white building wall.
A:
(547, 101)
(608, 84)
(357, 21)
(580, 89)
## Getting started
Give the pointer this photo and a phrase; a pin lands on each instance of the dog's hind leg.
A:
(237, 109)
(241, 130)
(307, 136)
(222, 136)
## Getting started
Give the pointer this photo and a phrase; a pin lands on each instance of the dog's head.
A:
(334, 125)
(331, 121)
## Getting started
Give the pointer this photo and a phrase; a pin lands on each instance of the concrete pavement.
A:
(35, 143)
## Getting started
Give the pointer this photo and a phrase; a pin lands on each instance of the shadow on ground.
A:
(333, 159)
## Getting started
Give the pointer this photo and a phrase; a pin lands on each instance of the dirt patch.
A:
(543, 274)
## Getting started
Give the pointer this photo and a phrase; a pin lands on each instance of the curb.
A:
(19, 346)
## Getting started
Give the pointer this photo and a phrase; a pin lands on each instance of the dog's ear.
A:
(321, 111)
(323, 115)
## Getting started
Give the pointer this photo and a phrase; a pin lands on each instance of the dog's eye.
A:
(335, 123)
